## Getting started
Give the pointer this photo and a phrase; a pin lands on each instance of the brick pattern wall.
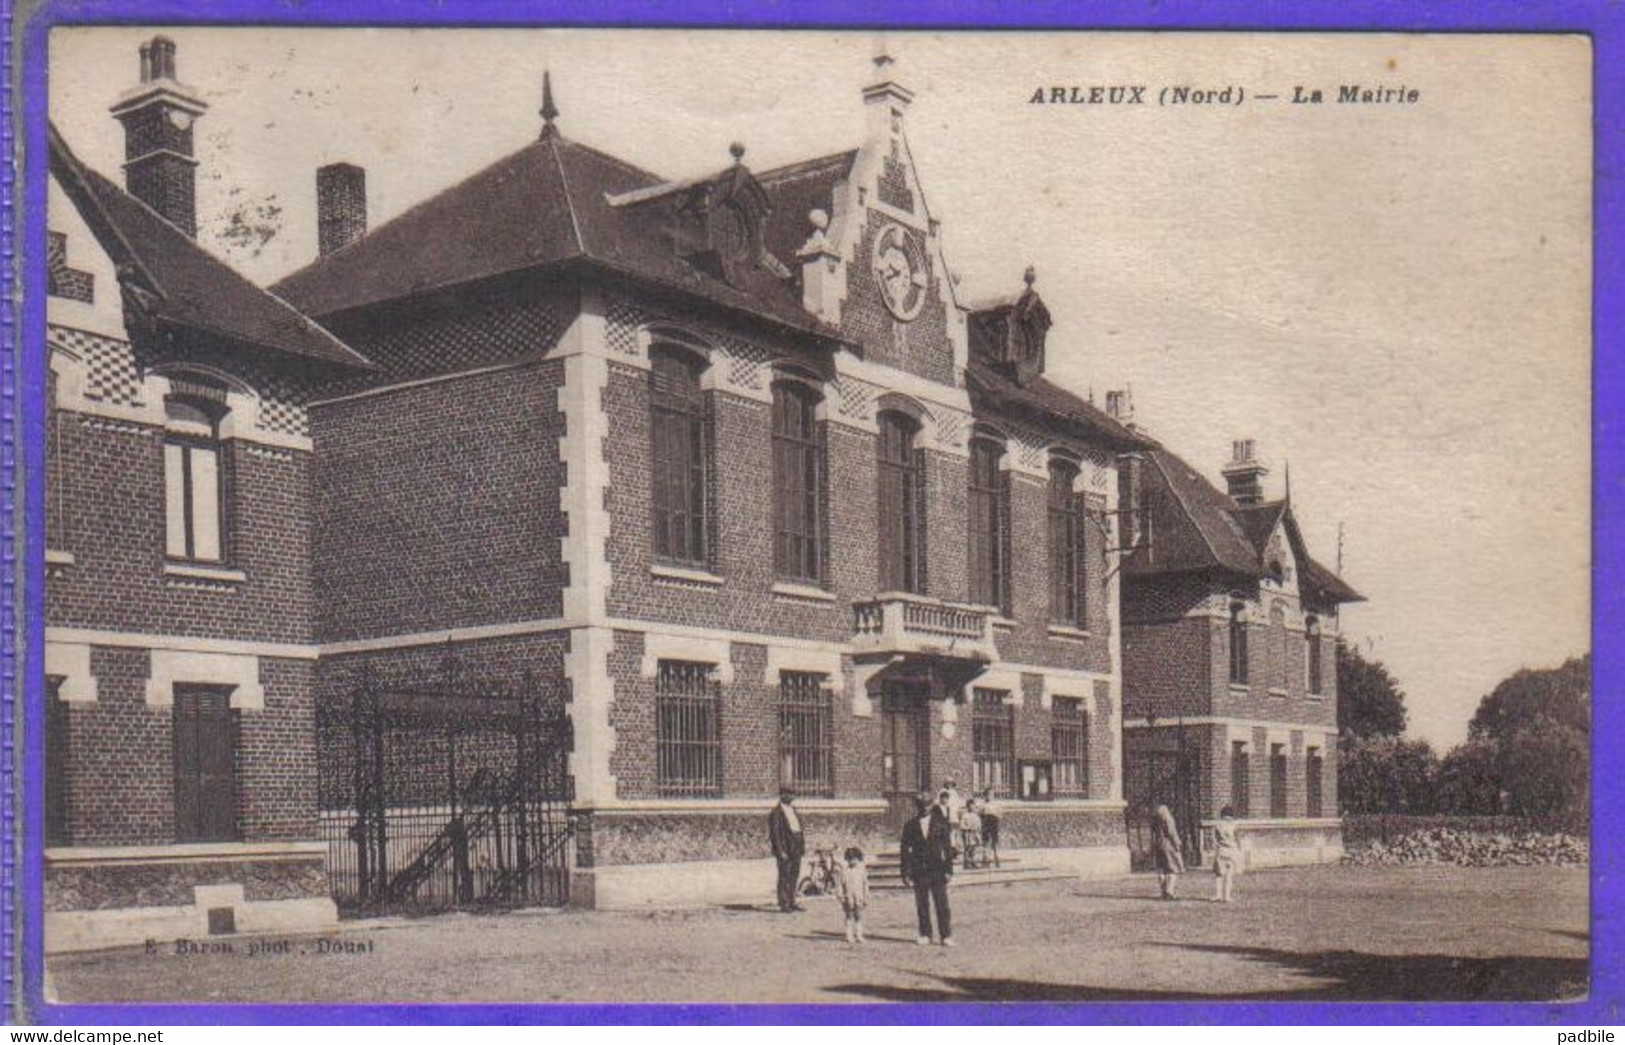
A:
(471, 330)
(437, 506)
(111, 485)
(919, 347)
(120, 783)
(1030, 642)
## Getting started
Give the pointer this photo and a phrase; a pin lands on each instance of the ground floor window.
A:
(993, 736)
(1314, 768)
(806, 734)
(1069, 740)
(1278, 781)
(1240, 778)
(688, 729)
(205, 745)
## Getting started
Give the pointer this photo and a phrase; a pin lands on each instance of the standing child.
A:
(852, 888)
(1226, 854)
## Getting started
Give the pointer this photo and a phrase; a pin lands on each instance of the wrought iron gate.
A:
(445, 794)
(1171, 778)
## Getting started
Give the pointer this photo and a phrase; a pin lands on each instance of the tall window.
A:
(1238, 644)
(680, 454)
(1066, 569)
(1313, 767)
(58, 757)
(1241, 778)
(193, 481)
(798, 464)
(1311, 638)
(806, 734)
(899, 505)
(1069, 747)
(989, 526)
(688, 729)
(205, 745)
(993, 736)
(1278, 781)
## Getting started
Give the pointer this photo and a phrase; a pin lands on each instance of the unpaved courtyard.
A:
(1322, 933)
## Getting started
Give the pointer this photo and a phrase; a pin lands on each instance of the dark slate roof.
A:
(1040, 397)
(1197, 527)
(181, 282)
(1258, 521)
(547, 204)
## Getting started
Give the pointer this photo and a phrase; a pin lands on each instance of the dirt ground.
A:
(1312, 934)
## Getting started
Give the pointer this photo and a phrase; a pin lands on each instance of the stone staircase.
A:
(886, 873)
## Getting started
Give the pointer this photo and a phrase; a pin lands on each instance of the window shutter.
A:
(1002, 507)
(920, 582)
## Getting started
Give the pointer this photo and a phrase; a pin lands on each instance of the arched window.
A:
(798, 468)
(898, 498)
(1311, 638)
(1238, 643)
(989, 525)
(194, 478)
(1067, 603)
(679, 456)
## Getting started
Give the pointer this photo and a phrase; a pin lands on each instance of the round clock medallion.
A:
(900, 271)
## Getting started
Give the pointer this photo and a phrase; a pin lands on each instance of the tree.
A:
(1470, 780)
(1369, 700)
(1386, 775)
(1528, 746)
(1562, 694)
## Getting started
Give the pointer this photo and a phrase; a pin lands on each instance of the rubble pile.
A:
(1444, 845)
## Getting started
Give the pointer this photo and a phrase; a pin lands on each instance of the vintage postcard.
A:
(701, 516)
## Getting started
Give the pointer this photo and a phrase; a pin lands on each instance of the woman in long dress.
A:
(1170, 859)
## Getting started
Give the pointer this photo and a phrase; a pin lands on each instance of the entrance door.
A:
(905, 749)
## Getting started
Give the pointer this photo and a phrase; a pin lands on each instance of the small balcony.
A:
(900, 623)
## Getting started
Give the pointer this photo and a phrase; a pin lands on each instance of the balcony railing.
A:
(902, 623)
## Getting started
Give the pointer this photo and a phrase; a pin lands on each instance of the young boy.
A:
(852, 889)
(1226, 854)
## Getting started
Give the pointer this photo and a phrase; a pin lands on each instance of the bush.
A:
(1387, 775)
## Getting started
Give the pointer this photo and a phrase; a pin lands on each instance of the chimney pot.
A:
(341, 206)
(1245, 473)
(159, 167)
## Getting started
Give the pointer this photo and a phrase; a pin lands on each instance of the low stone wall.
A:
(1062, 825)
(1281, 843)
(651, 857)
(651, 835)
(121, 896)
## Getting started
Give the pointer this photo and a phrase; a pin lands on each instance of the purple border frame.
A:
(1603, 21)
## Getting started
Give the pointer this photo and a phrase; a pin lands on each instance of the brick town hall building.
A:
(522, 548)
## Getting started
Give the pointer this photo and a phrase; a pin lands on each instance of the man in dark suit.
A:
(789, 844)
(928, 864)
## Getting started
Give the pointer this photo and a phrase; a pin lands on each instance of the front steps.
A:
(886, 873)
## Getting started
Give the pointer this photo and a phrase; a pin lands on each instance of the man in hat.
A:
(789, 844)
(928, 864)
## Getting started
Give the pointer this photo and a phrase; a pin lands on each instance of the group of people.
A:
(940, 831)
(948, 826)
(1170, 856)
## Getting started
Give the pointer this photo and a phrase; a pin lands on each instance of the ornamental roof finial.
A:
(550, 112)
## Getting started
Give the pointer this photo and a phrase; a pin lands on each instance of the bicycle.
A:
(822, 873)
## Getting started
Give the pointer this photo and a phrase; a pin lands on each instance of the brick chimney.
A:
(1245, 473)
(341, 206)
(158, 114)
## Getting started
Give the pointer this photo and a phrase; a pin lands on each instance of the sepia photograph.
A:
(812, 517)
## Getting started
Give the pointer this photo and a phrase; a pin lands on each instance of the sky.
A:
(1393, 298)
